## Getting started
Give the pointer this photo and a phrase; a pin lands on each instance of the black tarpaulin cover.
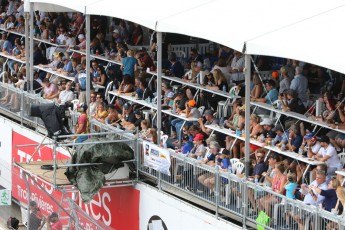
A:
(90, 179)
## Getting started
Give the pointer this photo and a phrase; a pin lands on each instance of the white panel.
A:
(5, 155)
(174, 213)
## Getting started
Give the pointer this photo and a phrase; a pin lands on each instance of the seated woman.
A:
(126, 85)
(278, 186)
(101, 114)
(258, 88)
(145, 128)
(152, 137)
(291, 102)
(229, 140)
(113, 116)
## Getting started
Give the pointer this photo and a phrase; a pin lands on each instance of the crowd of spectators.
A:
(196, 110)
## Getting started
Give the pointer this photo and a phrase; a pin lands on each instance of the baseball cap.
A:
(199, 64)
(170, 95)
(126, 106)
(180, 92)
(80, 36)
(53, 214)
(266, 121)
(191, 103)
(137, 112)
(198, 137)
(64, 58)
(324, 138)
(278, 127)
(116, 31)
(309, 135)
(3, 14)
(208, 112)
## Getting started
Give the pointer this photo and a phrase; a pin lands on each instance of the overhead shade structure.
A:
(318, 40)
(145, 13)
(302, 30)
(58, 6)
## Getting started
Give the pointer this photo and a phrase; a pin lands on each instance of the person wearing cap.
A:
(268, 132)
(328, 154)
(169, 101)
(137, 123)
(295, 139)
(209, 120)
(187, 144)
(82, 41)
(310, 144)
(36, 219)
(116, 36)
(282, 137)
(199, 149)
(128, 116)
(53, 222)
(67, 66)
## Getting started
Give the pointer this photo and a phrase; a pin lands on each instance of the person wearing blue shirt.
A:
(272, 93)
(187, 144)
(295, 139)
(176, 69)
(291, 185)
(129, 64)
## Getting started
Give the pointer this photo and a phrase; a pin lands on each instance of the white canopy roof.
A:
(305, 30)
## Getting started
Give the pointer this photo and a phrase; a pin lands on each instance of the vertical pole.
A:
(27, 47)
(54, 158)
(159, 85)
(247, 133)
(29, 54)
(28, 197)
(87, 33)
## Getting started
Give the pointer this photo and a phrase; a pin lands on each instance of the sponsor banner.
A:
(110, 206)
(156, 158)
(5, 197)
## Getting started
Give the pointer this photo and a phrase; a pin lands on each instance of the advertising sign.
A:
(156, 157)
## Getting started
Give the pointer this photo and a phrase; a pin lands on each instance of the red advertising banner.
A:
(117, 208)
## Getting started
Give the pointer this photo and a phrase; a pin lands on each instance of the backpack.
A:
(12, 223)
(82, 80)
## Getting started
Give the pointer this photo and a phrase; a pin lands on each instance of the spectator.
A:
(282, 136)
(82, 124)
(101, 113)
(36, 218)
(199, 149)
(66, 95)
(328, 154)
(187, 144)
(137, 123)
(129, 64)
(128, 117)
(237, 67)
(291, 185)
(113, 116)
(272, 93)
(278, 186)
(258, 89)
(300, 84)
(330, 194)
(176, 69)
(285, 83)
(210, 120)
(144, 60)
(49, 89)
(260, 166)
(295, 139)
(292, 103)
(126, 85)
(53, 222)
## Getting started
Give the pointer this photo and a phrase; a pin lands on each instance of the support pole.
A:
(87, 33)
(29, 54)
(247, 133)
(159, 85)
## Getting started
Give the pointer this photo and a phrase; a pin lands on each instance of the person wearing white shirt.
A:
(328, 154)
(66, 95)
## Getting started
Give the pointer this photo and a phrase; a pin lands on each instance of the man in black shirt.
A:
(128, 117)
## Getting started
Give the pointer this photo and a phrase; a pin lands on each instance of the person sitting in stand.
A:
(146, 90)
(144, 60)
(209, 120)
(137, 123)
(66, 95)
(127, 117)
(328, 154)
(53, 222)
(295, 139)
(176, 69)
(126, 85)
(49, 89)
(101, 113)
